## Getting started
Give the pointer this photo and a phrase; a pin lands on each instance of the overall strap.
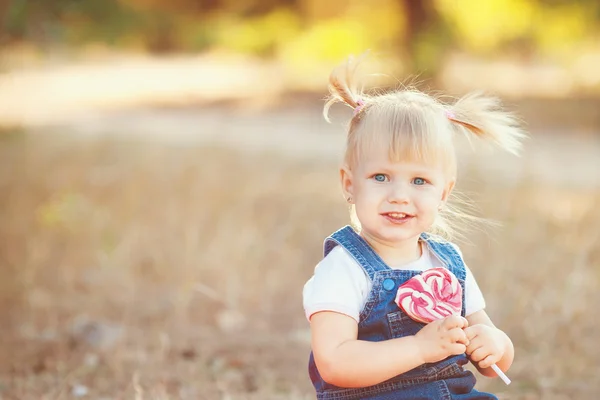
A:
(447, 253)
(358, 248)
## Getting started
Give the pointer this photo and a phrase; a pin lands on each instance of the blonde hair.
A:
(414, 125)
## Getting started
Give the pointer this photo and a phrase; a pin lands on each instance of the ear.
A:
(346, 181)
(447, 190)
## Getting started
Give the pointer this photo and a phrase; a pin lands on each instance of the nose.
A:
(399, 194)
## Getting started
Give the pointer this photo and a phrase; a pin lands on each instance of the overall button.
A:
(389, 284)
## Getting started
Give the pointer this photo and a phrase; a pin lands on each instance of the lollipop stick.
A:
(501, 374)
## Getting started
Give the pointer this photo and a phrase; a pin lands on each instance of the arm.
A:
(344, 361)
(488, 344)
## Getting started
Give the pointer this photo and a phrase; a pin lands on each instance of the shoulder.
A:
(338, 260)
(338, 284)
(448, 253)
(338, 270)
(456, 248)
(438, 243)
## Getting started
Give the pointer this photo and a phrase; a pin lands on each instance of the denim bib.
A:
(382, 319)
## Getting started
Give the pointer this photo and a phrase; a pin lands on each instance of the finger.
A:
(474, 344)
(471, 332)
(457, 335)
(455, 321)
(451, 322)
(488, 361)
(479, 354)
(457, 348)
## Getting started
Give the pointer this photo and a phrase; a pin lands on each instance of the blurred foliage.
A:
(486, 26)
(261, 34)
(297, 30)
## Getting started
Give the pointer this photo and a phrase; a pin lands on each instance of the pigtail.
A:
(342, 87)
(484, 117)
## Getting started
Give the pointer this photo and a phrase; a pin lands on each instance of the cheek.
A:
(368, 202)
(430, 200)
(369, 192)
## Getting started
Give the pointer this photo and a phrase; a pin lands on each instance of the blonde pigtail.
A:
(342, 87)
(484, 117)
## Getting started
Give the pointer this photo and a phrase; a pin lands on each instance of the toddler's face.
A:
(396, 201)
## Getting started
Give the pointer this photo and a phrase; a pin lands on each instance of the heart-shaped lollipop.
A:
(434, 294)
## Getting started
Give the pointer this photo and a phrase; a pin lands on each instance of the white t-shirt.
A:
(340, 284)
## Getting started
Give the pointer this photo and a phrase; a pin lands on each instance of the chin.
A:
(397, 238)
(392, 234)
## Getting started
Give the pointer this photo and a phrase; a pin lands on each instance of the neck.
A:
(397, 253)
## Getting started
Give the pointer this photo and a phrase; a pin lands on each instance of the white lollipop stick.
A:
(501, 374)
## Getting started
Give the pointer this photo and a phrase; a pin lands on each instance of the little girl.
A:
(398, 172)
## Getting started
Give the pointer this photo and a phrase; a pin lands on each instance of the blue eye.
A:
(379, 177)
(419, 181)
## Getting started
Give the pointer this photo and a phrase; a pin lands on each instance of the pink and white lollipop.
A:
(434, 294)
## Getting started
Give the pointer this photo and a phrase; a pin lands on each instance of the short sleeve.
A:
(339, 284)
(474, 300)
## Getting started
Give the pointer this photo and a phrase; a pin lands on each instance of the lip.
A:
(396, 220)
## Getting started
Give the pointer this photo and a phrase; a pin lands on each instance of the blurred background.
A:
(167, 180)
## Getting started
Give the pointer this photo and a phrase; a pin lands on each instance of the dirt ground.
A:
(160, 253)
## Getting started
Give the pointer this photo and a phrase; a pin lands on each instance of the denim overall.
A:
(381, 319)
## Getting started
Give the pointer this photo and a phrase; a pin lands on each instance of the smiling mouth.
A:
(397, 217)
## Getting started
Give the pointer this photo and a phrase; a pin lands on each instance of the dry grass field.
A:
(153, 269)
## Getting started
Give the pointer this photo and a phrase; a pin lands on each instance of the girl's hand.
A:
(486, 345)
(442, 338)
